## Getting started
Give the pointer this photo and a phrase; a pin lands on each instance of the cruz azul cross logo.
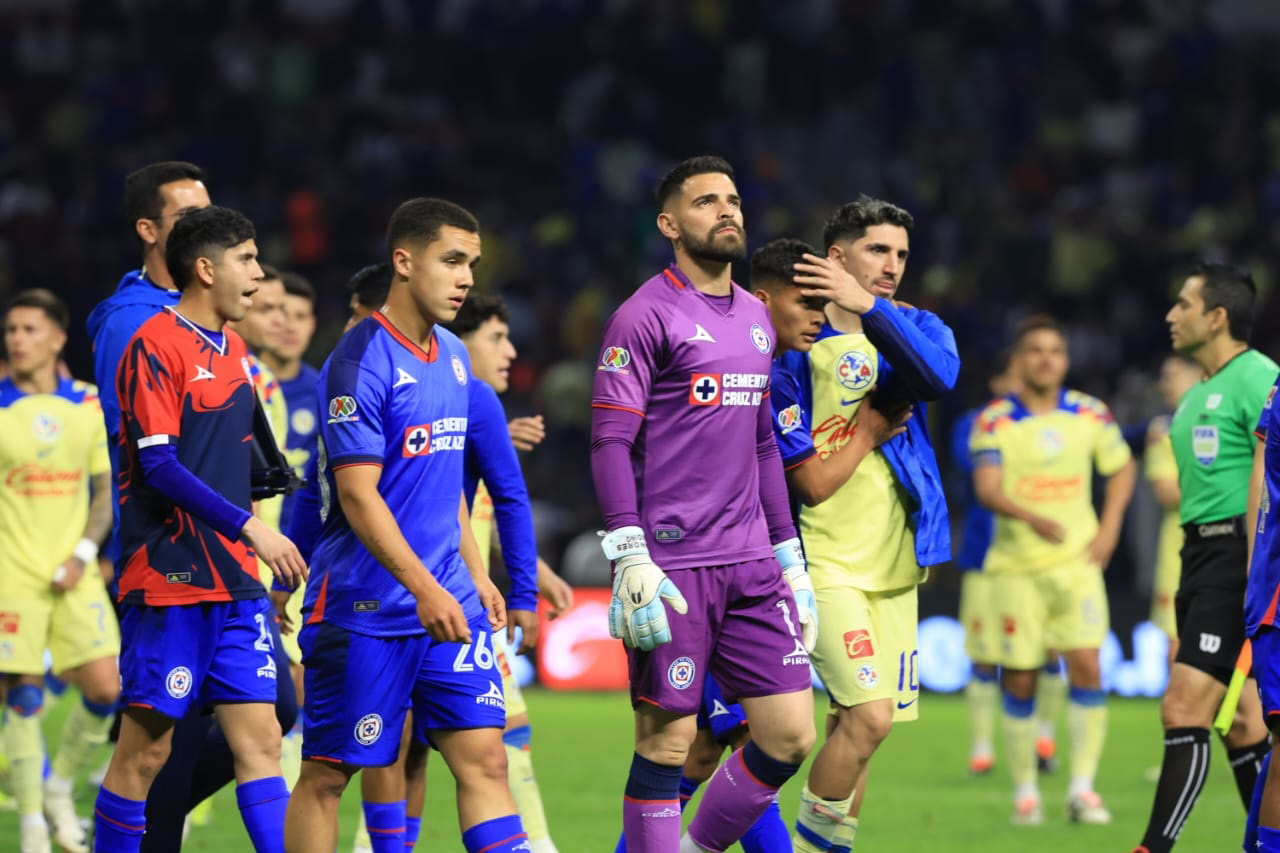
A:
(368, 729)
(342, 409)
(704, 389)
(417, 440)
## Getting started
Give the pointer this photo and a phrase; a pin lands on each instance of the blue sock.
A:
(768, 833)
(1022, 708)
(500, 835)
(386, 823)
(262, 805)
(1255, 807)
(118, 823)
(1053, 666)
(412, 825)
(1268, 840)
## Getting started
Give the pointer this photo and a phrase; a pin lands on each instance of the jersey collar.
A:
(428, 355)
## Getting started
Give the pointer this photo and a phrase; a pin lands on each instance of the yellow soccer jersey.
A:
(482, 522)
(1046, 463)
(53, 443)
(860, 536)
(268, 388)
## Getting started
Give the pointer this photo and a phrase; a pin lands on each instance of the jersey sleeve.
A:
(631, 355)
(1110, 450)
(352, 414)
(791, 411)
(984, 440)
(920, 351)
(1268, 408)
(151, 386)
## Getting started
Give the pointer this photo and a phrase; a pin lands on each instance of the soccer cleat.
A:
(981, 764)
(60, 811)
(1087, 807)
(1027, 811)
(35, 838)
(1045, 751)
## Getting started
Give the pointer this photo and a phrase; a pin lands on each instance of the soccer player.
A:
(369, 287)
(1212, 438)
(1261, 597)
(873, 517)
(981, 624)
(685, 367)
(1178, 374)
(297, 378)
(196, 626)
(1034, 454)
(400, 609)
(53, 458)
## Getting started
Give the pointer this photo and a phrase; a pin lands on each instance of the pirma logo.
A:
(342, 408)
(680, 673)
(614, 360)
(368, 729)
(178, 682)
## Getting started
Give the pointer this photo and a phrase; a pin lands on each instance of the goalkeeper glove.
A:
(791, 557)
(636, 614)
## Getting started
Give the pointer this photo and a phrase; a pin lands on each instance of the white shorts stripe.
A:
(153, 440)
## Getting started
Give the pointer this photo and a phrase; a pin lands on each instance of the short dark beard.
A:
(707, 250)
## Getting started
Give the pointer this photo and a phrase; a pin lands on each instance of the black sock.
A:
(1182, 775)
(1246, 761)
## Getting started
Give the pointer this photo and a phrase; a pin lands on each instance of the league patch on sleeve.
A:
(789, 418)
(615, 360)
(342, 409)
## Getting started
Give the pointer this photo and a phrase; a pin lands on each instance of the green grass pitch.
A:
(919, 797)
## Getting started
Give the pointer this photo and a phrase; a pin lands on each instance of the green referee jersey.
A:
(1212, 436)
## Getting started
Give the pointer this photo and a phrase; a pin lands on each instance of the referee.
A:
(1213, 443)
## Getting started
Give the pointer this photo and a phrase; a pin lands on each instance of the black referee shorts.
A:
(1209, 606)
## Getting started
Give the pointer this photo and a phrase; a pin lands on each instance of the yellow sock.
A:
(846, 834)
(25, 747)
(83, 734)
(1087, 726)
(524, 788)
(982, 697)
(1020, 744)
(291, 757)
(820, 819)
(1051, 692)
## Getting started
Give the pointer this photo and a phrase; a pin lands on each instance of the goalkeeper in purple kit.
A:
(684, 461)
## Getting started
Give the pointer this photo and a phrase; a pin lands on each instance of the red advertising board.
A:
(575, 652)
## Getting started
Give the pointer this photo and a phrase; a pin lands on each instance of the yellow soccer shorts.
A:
(76, 627)
(1163, 592)
(510, 687)
(866, 649)
(293, 609)
(1062, 608)
(979, 617)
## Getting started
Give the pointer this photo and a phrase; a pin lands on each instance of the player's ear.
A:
(667, 226)
(204, 270)
(835, 253)
(762, 295)
(401, 261)
(146, 231)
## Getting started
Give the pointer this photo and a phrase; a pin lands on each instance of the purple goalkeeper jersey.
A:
(697, 374)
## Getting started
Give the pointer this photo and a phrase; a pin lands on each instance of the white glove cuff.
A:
(624, 542)
(789, 553)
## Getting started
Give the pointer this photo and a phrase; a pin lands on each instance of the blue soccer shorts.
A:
(725, 719)
(358, 688)
(181, 656)
(1266, 669)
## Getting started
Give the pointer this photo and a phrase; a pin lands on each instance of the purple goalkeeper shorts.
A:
(741, 626)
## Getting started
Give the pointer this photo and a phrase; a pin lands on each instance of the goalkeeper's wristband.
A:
(86, 551)
(624, 542)
(789, 554)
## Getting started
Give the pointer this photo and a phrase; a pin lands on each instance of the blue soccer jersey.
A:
(300, 394)
(1263, 593)
(386, 402)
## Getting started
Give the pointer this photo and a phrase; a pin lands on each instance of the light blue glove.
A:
(791, 557)
(636, 614)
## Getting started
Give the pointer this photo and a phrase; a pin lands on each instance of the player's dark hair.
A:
(142, 197)
(419, 221)
(851, 221)
(371, 284)
(296, 285)
(1231, 288)
(1037, 323)
(197, 234)
(476, 311)
(46, 300)
(270, 273)
(674, 179)
(773, 264)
